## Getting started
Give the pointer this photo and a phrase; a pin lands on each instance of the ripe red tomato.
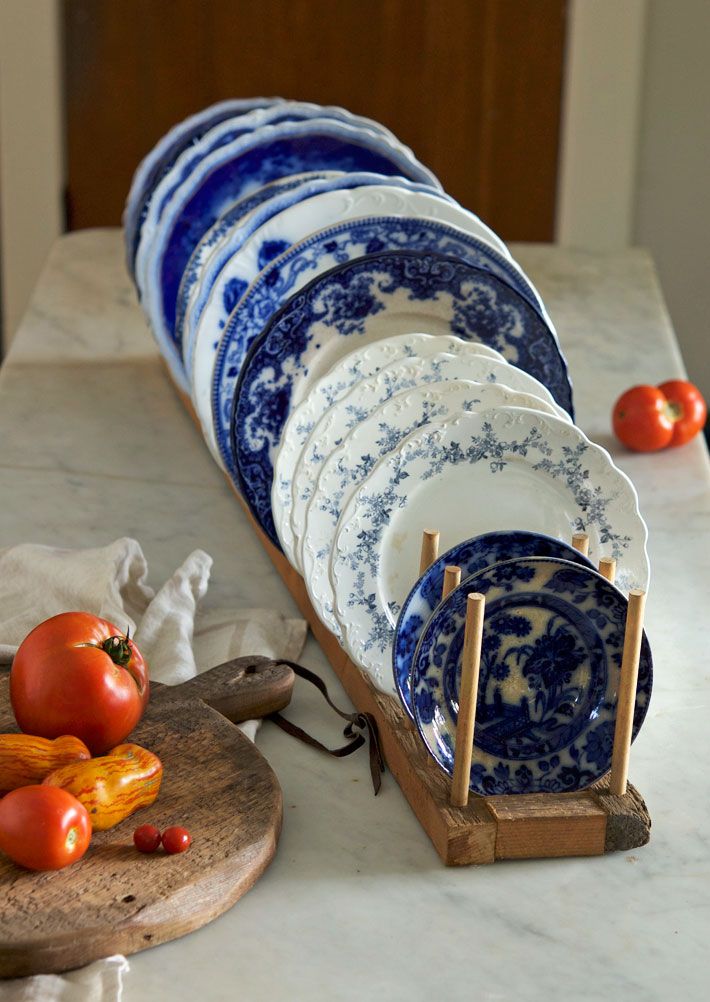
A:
(176, 839)
(146, 838)
(77, 674)
(43, 827)
(647, 418)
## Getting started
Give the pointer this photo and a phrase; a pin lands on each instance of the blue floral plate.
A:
(553, 638)
(376, 296)
(472, 556)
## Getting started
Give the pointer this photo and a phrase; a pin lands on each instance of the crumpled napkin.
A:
(177, 638)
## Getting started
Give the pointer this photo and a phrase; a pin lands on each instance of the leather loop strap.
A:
(361, 727)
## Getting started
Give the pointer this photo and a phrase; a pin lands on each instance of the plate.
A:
(508, 468)
(364, 300)
(234, 169)
(164, 154)
(355, 366)
(472, 556)
(368, 440)
(231, 226)
(553, 638)
(454, 232)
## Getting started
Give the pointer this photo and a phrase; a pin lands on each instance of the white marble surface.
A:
(94, 445)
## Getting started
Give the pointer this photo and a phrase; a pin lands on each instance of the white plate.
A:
(364, 445)
(360, 364)
(507, 468)
(365, 397)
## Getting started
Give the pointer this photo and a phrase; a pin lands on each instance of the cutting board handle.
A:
(240, 689)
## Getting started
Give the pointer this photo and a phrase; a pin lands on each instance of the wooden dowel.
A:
(452, 579)
(468, 693)
(430, 549)
(580, 541)
(607, 568)
(628, 679)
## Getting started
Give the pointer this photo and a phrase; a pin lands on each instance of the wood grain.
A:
(216, 784)
(473, 86)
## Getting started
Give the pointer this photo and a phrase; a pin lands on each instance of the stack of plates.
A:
(367, 360)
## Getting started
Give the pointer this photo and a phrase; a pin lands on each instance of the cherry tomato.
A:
(647, 418)
(78, 674)
(43, 827)
(146, 838)
(176, 840)
(688, 409)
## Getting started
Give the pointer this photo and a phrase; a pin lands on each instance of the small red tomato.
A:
(43, 827)
(687, 407)
(146, 838)
(176, 840)
(77, 674)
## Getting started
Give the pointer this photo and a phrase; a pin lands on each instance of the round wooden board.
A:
(117, 900)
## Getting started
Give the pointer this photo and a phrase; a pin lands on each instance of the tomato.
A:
(647, 418)
(77, 674)
(146, 838)
(176, 839)
(43, 827)
(688, 408)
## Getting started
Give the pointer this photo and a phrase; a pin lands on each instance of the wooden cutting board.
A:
(216, 784)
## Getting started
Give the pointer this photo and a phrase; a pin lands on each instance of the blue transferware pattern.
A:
(200, 267)
(552, 644)
(283, 361)
(251, 161)
(328, 248)
(472, 556)
(162, 157)
(226, 269)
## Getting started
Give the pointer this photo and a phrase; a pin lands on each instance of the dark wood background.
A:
(473, 86)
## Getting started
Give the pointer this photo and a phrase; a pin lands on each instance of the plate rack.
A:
(589, 822)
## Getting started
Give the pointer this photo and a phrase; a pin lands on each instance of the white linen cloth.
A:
(177, 638)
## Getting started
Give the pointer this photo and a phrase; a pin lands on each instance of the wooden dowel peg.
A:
(628, 679)
(430, 549)
(580, 541)
(468, 694)
(452, 579)
(607, 568)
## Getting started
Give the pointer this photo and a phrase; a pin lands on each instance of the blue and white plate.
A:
(163, 155)
(231, 228)
(237, 168)
(380, 218)
(376, 296)
(472, 556)
(508, 468)
(553, 638)
(365, 437)
(404, 223)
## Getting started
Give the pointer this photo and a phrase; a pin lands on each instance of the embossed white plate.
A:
(365, 444)
(360, 364)
(507, 468)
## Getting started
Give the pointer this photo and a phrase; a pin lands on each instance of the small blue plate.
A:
(553, 638)
(472, 556)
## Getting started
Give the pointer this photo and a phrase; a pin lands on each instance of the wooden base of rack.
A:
(531, 826)
(588, 823)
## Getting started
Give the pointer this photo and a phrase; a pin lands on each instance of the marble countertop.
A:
(95, 445)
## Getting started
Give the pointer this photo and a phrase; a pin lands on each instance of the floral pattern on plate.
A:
(373, 297)
(507, 468)
(553, 638)
(472, 556)
(371, 438)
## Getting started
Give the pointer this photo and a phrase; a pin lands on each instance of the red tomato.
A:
(146, 838)
(688, 409)
(647, 418)
(77, 674)
(43, 827)
(176, 839)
